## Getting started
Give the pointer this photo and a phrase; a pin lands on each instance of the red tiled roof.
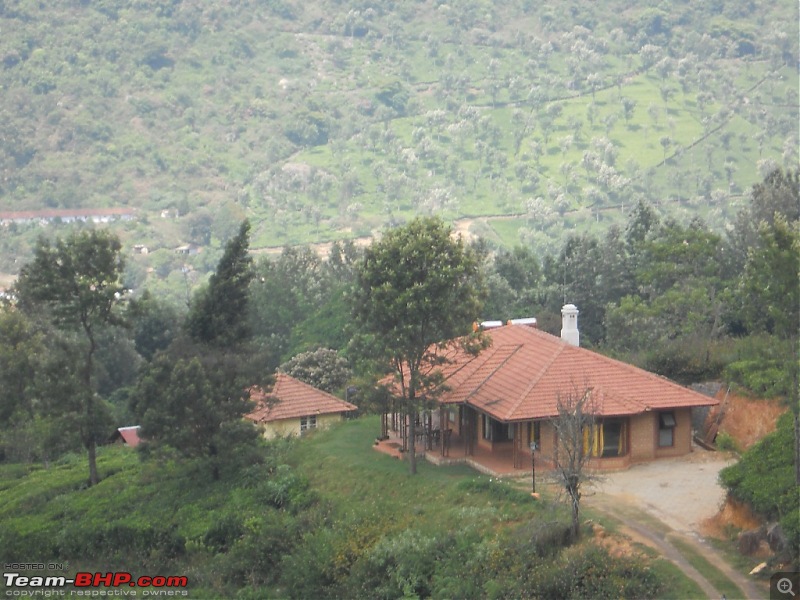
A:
(130, 435)
(524, 372)
(292, 399)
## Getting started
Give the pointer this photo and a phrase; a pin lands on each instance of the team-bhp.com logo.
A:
(90, 584)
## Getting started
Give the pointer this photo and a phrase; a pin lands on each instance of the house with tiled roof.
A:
(128, 436)
(295, 408)
(504, 399)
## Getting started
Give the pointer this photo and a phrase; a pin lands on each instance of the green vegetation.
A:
(417, 289)
(321, 518)
(764, 478)
(676, 585)
(76, 286)
(338, 119)
(714, 576)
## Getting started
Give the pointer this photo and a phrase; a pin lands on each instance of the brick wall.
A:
(642, 441)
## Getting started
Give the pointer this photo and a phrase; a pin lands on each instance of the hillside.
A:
(323, 518)
(331, 120)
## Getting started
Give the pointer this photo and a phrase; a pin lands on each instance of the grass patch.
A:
(677, 586)
(743, 564)
(714, 576)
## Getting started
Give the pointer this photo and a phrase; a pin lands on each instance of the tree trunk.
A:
(576, 526)
(412, 441)
(212, 450)
(91, 442)
(796, 447)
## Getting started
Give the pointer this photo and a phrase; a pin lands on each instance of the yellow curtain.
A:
(596, 440)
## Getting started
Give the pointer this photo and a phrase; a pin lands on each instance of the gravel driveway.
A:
(681, 492)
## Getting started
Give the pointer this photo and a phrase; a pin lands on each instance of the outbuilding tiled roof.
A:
(130, 435)
(292, 399)
(524, 372)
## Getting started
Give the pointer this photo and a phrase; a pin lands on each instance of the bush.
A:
(764, 479)
(223, 533)
(726, 442)
(496, 489)
(120, 542)
(760, 365)
(399, 566)
(591, 572)
(684, 360)
(255, 555)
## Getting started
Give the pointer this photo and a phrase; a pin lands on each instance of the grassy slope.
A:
(368, 495)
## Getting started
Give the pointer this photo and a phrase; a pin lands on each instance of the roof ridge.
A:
(536, 379)
(515, 347)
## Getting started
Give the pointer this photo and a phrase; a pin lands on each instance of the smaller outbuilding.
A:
(127, 436)
(295, 408)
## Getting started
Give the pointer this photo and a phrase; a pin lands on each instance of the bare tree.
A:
(575, 435)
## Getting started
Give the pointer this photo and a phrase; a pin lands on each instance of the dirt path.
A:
(667, 501)
(641, 528)
(634, 528)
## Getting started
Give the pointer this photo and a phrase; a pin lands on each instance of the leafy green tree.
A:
(513, 279)
(769, 284)
(154, 323)
(218, 315)
(771, 294)
(577, 274)
(778, 195)
(676, 255)
(19, 345)
(193, 401)
(298, 302)
(76, 285)
(417, 289)
(323, 368)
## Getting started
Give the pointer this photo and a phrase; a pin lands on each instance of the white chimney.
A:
(569, 325)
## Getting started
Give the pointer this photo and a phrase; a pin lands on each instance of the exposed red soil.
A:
(733, 514)
(747, 420)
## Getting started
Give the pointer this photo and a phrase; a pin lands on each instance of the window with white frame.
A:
(309, 422)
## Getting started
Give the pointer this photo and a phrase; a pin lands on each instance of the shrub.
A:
(255, 555)
(496, 489)
(764, 479)
(398, 566)
(760, 365)
(726, 442)
(223, 533)
(120, 542)
(591, 572)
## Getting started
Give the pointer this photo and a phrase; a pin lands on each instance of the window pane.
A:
(612, 434)
(667, 420)
(665, 437)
